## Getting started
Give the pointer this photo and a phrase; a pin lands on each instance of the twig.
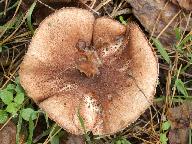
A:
(46, 5)
(168, 24)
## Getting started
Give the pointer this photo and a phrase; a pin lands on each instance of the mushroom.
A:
(97, 69)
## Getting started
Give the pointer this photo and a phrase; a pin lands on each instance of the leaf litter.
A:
(181, 123)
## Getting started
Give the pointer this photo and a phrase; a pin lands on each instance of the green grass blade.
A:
(18, 128)
(81, 121)
(181, 87)
(30, 11)
(178, 33)
(10, 8)
(121, 19)
(55, 140)
(185, 40)
(162, 50)
(46, 119)
(31, 129)
(83, 126)
(190, 136)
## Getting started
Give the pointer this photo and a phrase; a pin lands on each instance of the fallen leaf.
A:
(73, 139)
(178, 136)
(8, 134)
(148, 11)
(186, 4)
(180, 118)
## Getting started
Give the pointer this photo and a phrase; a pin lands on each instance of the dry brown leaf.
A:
(186, 4)
(158, 14)
(73, 139)
(8, 134)
(180, 118)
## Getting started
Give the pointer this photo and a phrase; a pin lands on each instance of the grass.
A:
(16, 30)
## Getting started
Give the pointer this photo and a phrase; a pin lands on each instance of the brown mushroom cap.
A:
(108, 101)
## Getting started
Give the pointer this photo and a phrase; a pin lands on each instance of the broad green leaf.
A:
(166, 125)
(12, 108)
(162, 50)
(181, 87)
(6, 96)
(19, 98)
(55, 140)
(19, 89)
(118, 142)
(26, 113)
(3, 116)
(10, 87)
(125, 141)
(163, 138)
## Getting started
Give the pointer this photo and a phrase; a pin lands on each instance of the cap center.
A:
(87, 60)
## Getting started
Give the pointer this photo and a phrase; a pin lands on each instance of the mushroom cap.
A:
(107, 102)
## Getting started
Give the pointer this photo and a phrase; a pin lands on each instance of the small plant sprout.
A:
(164, 130)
